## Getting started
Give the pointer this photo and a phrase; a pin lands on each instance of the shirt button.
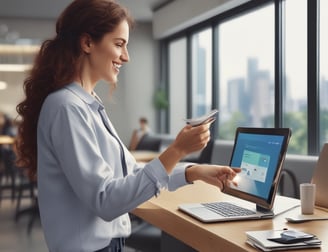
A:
(123, 223)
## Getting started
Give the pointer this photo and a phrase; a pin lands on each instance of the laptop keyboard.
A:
(227, 209)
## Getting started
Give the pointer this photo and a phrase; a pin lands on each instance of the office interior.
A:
(261, 63)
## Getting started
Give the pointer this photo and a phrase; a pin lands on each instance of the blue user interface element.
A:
(257, 155)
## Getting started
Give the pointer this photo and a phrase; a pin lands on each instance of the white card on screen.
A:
(202, 119)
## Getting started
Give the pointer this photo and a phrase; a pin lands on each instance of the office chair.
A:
(25, 184)
(291, 178)
(205, 155)
(149, 142)
(20, 183)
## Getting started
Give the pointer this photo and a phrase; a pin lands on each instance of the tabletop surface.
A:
(225, 236)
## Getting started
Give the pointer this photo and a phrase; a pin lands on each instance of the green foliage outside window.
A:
(297, 121)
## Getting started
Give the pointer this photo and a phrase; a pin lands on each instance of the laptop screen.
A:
(259, 152)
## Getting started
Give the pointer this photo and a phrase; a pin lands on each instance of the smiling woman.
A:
(63, 113)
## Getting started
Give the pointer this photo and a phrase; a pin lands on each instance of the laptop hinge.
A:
(263, 210)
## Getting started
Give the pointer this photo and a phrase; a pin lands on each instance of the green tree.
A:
(297, 121)
(227, 130)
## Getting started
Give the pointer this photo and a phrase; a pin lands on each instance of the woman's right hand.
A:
(188, 140)
(191, 139)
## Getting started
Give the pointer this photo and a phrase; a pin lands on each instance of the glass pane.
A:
(323, 72)
(295, 104)
(246, 71)
(201, 72)
(177, 84)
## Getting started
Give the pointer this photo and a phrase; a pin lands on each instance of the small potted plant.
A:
(160, 99)
(161, 103)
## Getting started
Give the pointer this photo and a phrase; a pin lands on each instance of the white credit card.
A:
(202, 119)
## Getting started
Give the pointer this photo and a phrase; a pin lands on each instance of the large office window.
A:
(177, 84)
(201, 98)
(295, 79)
(257, 72)
(246, 71)
(323, 74)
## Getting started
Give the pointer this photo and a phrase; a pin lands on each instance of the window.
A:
(177, 84)
(237, 73)
(323, 74)
(246, 71)
(295, 91)
(201, 72)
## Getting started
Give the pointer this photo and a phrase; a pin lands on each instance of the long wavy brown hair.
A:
(57, 64)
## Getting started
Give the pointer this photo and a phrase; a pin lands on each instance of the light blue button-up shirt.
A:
(83, 197)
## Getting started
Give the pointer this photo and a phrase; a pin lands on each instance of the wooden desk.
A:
(6, 140)
(144, 155)
(228, 236)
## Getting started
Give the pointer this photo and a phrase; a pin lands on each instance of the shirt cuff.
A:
(178, 177)
(157, 173)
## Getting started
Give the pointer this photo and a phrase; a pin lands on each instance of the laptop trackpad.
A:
(205, 213)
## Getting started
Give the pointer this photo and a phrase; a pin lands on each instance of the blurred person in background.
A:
(137, 134)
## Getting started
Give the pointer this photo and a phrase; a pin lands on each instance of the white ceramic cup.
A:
(307, 193)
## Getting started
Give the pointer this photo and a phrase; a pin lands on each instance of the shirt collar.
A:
(92, 100)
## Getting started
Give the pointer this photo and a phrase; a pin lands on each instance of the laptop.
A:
(260, 153)
(319, 178)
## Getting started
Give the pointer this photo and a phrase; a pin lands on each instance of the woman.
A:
(139, 133)
(87, 180)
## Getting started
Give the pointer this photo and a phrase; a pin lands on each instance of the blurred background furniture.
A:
(289, 178)
(202, 157)
(144, 236)
(8, 174)
(27, 189)
(20, 187)
(149, 142)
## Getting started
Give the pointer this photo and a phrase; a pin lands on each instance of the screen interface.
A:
(257, 155)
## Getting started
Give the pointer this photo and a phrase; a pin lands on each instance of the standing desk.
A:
(209, 237)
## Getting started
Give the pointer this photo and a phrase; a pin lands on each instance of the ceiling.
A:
(50, 9)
